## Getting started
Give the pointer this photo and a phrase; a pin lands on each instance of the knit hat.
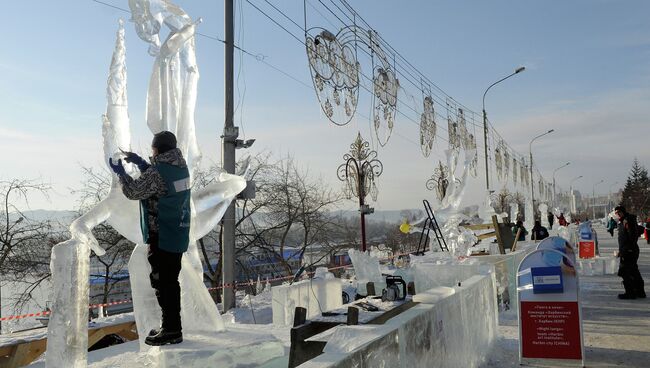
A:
(164, 141)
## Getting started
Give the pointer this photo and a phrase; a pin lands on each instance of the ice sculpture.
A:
(366, 269)
(543, 210)
(170, 106)
(530, 214)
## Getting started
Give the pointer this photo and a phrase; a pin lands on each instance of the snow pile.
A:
(252, 309)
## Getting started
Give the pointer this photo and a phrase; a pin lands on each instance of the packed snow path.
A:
(616, 332)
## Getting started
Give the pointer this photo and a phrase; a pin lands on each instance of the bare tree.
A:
(290, 209)
(24, 246)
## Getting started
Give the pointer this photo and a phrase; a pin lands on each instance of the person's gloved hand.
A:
(138, 161)
(117, 168)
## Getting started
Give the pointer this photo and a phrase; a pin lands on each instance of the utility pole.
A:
(228, 144)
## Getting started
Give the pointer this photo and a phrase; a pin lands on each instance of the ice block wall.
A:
(315, 295)
(455, 331)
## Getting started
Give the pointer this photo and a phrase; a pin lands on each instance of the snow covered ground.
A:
(617, 332)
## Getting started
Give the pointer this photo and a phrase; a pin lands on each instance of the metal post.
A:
(593, 200)
(593, 203)
(228, 155)
(360, 179)
(485, 127)
(485, 146)
(532, 179)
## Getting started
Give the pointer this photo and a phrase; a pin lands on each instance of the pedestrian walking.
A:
(551, 219)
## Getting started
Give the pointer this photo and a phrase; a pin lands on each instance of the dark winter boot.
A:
(629, 290)
(627, 296)
(154, 331)
(640, 294)
(164, 337)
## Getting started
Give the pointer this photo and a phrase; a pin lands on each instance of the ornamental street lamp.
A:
(532, 181)
(359, 171)
(485, 127)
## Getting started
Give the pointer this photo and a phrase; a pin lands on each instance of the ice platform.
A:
(227, 349)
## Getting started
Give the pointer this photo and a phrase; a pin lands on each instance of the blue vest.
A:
(174, 211)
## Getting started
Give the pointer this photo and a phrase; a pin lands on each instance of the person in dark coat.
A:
(551, 219)
(561, 220)
(538, 232)
(163, 189)
(611, 225)
(522, 233)
(628, 252)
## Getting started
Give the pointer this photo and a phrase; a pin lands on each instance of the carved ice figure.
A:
(67, 342)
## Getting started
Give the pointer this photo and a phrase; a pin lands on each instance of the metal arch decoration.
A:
(336, 71)
(452, 129)
(498, 163)
(463, 133)
(427, 126)
(472, 149)
(506, 162)
(384, 103)
(525, 176)
(335, 74)
(439, 181)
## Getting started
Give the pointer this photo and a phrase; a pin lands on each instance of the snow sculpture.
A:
(171, 101)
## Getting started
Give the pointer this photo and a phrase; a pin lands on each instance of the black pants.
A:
(629, 271)
(165, 268)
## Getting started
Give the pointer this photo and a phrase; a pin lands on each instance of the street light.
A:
(485, 127)
(358, 172)
(609, 195)
(593, 200)
(554, 171)
(573, 202)
(532, 180)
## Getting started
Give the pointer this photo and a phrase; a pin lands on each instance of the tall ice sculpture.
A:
(171, 101)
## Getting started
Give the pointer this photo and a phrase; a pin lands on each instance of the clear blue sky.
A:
(588, 77)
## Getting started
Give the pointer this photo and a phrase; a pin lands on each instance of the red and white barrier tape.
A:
(224, 286)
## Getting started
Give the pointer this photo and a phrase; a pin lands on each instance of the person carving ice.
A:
(164, 194)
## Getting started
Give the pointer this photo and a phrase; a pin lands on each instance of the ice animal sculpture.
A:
(171, 102)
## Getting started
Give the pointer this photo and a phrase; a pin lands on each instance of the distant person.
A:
(551, 219)
(561, 220)
(522, 233)
(611, 225)
(628, 252)
(164, 194)
(538, 232)
(646, 231)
